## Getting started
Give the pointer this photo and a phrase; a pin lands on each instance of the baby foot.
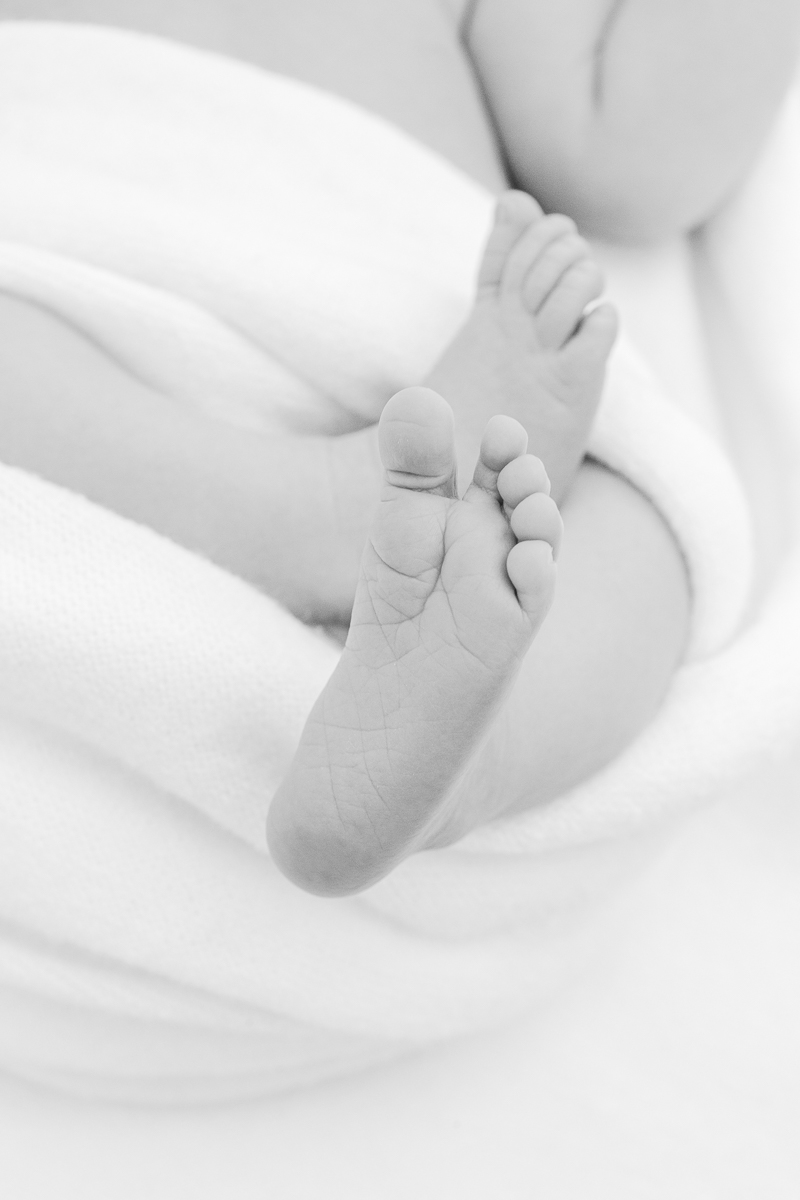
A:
(450, 596)
(529, 348)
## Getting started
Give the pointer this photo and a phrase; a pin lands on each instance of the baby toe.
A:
(514, 213)
(592, 341)
(537, 519)
(531, 570)
(561, 310)
(520, 478)
(530, 249)
(549, 268)
(504, 439)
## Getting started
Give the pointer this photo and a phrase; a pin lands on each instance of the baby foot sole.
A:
(451, 593)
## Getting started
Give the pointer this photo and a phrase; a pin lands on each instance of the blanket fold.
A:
(269, 255)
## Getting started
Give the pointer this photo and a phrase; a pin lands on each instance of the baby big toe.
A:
(416, 440)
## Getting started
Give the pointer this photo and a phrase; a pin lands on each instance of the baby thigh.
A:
(401, 59)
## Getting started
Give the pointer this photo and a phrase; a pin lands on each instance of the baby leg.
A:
(635, 117)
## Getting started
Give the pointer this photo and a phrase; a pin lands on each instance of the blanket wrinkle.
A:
(169, 342)
(268, 255)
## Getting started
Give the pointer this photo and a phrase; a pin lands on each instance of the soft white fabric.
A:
(669, 1071)
(278, 258)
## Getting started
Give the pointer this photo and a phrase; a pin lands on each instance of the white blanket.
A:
(278, 258)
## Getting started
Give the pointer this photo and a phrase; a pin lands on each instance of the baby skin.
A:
(528, 349)
(452, 590)
(450, 596)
